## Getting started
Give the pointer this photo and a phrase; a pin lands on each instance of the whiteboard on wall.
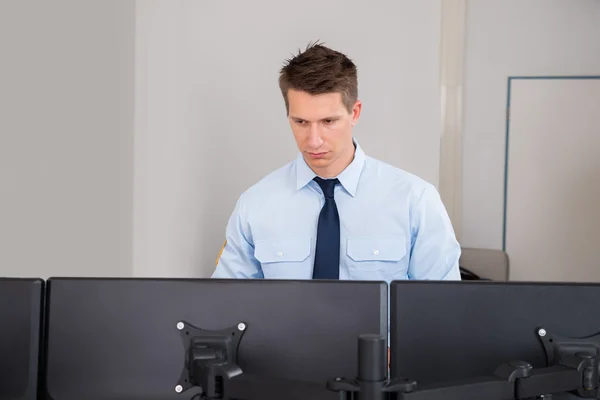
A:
(552, 196)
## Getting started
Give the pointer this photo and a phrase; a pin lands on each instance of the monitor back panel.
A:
(20, 326)
(118, 338)
(453, 330)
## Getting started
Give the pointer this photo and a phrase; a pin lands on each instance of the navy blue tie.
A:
(327, 255)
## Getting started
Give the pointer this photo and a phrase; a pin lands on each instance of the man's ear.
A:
(356, 110)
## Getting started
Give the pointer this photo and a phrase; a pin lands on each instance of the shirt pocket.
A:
(376, 257)
(284, 258)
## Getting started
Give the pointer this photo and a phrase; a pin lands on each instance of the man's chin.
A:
(318, 162)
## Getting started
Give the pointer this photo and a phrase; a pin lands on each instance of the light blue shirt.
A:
(393, 226)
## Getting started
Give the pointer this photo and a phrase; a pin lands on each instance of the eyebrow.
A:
(332, 117)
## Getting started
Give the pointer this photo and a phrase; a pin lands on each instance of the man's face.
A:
(322, 127)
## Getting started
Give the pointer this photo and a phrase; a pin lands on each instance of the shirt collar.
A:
(348, 177)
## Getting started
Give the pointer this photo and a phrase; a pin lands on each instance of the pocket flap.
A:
(376, 248)
(282, 250)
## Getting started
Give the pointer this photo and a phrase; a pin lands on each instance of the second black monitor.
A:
(123, 338)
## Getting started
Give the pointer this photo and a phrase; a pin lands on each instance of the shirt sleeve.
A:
(435, 252)
(237, 260)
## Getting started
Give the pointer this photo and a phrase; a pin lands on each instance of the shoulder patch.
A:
(220, 253)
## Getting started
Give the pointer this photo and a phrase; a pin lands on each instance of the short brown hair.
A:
(320, 70)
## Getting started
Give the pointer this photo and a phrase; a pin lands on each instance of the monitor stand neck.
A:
(372, 382)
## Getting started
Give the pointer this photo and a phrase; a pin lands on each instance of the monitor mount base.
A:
(210, 359)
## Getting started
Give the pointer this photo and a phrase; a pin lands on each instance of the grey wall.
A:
(210, 120)
(512, 37)
(71, 71)
(66, 137)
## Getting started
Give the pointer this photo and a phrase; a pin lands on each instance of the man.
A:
(334, 212)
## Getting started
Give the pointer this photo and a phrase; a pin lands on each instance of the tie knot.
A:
(327, 186)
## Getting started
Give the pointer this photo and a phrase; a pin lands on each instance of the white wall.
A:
(210, 120)
(66, 137)
(512, 37)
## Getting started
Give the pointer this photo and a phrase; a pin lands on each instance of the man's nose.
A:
(315, 139)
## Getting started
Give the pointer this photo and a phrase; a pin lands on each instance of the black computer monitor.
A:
(20, 327)
(447, 334)
(130, 338)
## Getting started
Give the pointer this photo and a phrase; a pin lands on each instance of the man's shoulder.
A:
(398, 178)
(277, 181)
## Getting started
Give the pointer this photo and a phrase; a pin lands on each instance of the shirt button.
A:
(376, 252)
(279, 254)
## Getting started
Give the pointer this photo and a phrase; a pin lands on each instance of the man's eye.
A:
(300, 122)
(329, 121)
